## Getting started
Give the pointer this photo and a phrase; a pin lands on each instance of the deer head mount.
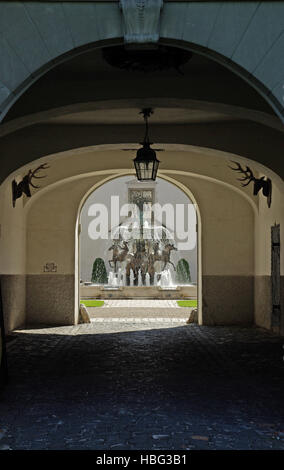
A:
(259, 183)
(23, 187)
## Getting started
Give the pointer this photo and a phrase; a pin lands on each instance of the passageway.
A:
(143, 385)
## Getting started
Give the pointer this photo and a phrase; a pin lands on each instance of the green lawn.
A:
(92, 303)
(187, 303)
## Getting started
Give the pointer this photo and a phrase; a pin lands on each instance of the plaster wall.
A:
(227, 250)
(235, 239)
(13, 258)
(51, 238)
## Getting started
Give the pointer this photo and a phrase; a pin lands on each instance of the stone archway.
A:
(73, 188)
(66, 187)
(78, 26)
(195, 292)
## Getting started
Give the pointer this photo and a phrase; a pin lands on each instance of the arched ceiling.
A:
(89, 78)
(85, 102)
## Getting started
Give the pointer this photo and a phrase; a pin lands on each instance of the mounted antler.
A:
(259, 183)
(32, 174)
(248, 173)
(18, 189)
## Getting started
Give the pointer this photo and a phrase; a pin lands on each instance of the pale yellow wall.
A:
(43, 228)
(227, 243)
(81, 162)
(12, 258)
(13, 233)
(227, 227)
(51, 222)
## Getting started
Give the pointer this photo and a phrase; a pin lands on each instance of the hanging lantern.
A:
(146, 163)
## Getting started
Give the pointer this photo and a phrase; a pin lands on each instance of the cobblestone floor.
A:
(124, 385)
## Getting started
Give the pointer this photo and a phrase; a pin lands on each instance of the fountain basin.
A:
(169, 288)
(139, 292)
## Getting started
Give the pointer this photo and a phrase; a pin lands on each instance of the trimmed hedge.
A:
(183, 272)
(99, 273)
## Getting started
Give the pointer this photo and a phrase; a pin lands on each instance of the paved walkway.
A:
(143, 386)
(139, 310)
(144, 303)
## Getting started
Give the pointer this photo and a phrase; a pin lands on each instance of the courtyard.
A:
(159, 384)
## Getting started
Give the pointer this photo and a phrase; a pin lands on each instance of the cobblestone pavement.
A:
(124, 385)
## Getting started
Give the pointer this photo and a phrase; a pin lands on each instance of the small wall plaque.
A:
(50, 268)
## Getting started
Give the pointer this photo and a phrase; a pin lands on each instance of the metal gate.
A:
(275, 275)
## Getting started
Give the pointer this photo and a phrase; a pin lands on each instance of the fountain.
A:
(112, 280)
(131, 278)
(166, 281)
(139, 261)
(140, 284)
(155, 278)
(123, 278)
(142, 246)
(147, 279)
(164, 278)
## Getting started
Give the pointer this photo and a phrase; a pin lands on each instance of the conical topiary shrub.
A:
(183, 272)
(99, 273)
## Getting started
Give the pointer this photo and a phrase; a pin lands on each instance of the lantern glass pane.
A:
(146, 165)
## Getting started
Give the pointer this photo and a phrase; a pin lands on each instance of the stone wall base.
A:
(14, 300)
(227, 300)
(127, 292)
(50, 299)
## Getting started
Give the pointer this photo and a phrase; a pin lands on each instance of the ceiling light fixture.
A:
(146, 163)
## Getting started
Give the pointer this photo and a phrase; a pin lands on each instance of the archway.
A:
(237, 137)
(78, 26)
(61, 104)
(238, 265)
(153, 273)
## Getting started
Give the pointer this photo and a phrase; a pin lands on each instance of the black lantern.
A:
(146, 163)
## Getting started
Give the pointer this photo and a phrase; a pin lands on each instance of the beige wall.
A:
(227, 252)
(13, 258)
(51, 233)
(227, 244)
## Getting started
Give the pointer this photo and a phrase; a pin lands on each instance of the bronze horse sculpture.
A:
(141, 260)
(119, 254)
(163, 255)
